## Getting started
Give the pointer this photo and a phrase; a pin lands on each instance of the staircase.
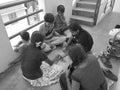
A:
(84, 12)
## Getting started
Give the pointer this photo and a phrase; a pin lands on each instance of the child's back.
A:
(24, 43)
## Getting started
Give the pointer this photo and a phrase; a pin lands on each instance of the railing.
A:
(97, 11)
(9, 22)
(25, 29)
(20, 18)
(10, 4)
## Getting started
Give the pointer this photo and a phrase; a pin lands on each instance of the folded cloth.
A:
(51, 75)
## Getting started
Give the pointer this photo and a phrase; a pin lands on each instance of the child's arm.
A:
(17, 46)
(19, 43)
(49, 36)
(61, 28)
(52, 34)
(20, 48)
(43, 46)
(57, 34)
(62, 18)
(69, 40)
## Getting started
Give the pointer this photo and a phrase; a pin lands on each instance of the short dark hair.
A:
(25, 35)
(77, 54)
(117, 26)
(36, 37)
(75, 26)
(49, 17)
(61, 8)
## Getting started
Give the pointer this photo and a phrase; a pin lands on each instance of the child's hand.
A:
(15, 46)
(43, 46)
(64, 44)
(58, 57)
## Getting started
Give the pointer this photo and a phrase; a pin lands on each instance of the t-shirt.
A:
(32, 58)
(85, 39)
(60, 21)
(60, 24)
(21, 46)
(91, 76)
(45, 30)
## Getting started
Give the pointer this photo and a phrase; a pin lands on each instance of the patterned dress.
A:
(50, 75)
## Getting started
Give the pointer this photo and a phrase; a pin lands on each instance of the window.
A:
(12, 16)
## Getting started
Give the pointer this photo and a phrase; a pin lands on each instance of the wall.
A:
(51, 7)
(116, 5)
(6, 52)
(74, 3)
(41, 5)
(103, 11)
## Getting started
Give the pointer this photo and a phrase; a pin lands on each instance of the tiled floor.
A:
(13, 80)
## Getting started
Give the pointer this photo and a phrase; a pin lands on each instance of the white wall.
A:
(41, 5)
(116, 6)
(101, 14)
(6, 52)
(74, 3)
(51, 7)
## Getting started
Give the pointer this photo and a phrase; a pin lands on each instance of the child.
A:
(47, 29)
(84, 72)
(36, 68)
(60, 23)
(113, 50)
(22, 44)
(45, 47)
(80, 36)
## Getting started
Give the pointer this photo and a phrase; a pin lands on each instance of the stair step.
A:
(83, 12)
(84, 9)
(82, 18)
(87, 2)
(90, 0)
